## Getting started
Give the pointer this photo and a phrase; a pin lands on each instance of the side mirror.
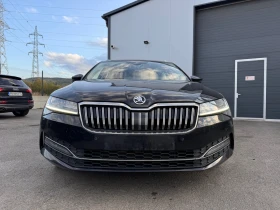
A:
(77, 77)
(196, 79)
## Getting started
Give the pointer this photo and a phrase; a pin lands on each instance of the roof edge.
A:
(218, 3)
(125, 7)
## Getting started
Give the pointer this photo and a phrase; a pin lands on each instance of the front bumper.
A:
(135, 153)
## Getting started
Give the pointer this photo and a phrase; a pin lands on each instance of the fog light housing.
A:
(225, 143)
(57, 147)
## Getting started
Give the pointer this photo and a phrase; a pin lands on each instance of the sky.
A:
(74, 34)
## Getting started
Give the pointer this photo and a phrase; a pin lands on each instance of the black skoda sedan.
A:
(15, 96)
(143, 116)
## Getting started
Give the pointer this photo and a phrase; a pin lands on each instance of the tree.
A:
(49, 87)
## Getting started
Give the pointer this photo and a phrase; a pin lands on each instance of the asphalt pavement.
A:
(250, 179)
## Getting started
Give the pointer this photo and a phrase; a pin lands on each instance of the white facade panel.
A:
(168, 25)
(128, 31)
(181, 42)
(159, 30)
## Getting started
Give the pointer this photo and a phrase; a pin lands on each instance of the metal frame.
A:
(265, 86)
(138, 109)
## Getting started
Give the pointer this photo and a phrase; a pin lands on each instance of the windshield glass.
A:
(11, 82)
(136, 70)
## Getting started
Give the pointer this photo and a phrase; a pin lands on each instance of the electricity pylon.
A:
(3, 26)
(35, 52)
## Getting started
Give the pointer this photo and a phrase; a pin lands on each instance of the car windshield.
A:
(136, 70)
(11, 82)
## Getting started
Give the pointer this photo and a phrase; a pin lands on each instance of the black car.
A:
(136, 116)
(15, 96)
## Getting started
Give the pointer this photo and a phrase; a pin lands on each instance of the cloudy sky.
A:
(74, 34)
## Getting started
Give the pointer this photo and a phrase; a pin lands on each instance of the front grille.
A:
(118, 118)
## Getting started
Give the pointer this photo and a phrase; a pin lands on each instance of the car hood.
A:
(125, 91)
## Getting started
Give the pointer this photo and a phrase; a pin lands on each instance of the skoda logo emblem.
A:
(139, 99)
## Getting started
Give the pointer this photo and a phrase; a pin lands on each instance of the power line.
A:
(17, 27)
(18, 23)
(25, 5)
(19, 50)
(20, 38)
(60, 22)
(48, 32)
(95, 48)
(20, 13)
(60, 40)
(39, 13)
(50, 69)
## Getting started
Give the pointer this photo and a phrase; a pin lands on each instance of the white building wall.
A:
(168, 26)
(128, 30)
(181, 43)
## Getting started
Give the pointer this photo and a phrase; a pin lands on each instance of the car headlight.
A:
(213, 107)
(62, 106)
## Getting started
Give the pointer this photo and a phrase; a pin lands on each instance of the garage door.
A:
(241, 31)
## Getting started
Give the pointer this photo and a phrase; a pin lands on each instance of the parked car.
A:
(136, 116)
(15, 96)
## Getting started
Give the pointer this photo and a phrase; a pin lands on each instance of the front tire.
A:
(21, 113)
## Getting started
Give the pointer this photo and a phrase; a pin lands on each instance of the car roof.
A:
(9, 76)
(128, 60)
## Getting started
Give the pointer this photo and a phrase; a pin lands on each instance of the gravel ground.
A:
(248, 180)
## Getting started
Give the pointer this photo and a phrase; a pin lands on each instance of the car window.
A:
(11, 82)
(136, 70)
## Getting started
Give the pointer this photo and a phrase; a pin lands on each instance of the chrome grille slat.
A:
(86, 115)
(192, 116)
(132, 120)
(109, 117)
(163, 119)
(97, 117)
(91, 115)
(186, 117)
(116, 118)
(126, 119)
(139, 120)
(181, 117)
(169, 118)
(152, 120)
(121, 118)
(175, 119)
(103, 118)
(158, 118)
(146, 120)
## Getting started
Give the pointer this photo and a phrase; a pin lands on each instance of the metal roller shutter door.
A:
(250, 29)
